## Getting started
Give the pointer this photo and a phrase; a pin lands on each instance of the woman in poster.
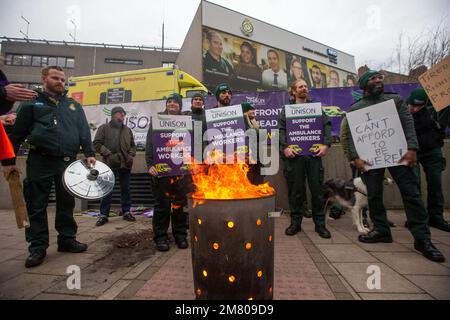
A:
(248, 73)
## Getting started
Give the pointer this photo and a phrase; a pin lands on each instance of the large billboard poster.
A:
(250, 66)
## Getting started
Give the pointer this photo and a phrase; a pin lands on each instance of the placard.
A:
(378, 135)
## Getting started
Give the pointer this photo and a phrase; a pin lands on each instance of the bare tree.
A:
(425, 49)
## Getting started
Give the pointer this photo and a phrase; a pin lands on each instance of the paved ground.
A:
(306, 266)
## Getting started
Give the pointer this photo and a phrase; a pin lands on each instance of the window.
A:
(167, 64)
(26, 60)
(52, 61)
(39, 61)
(9, 58)
(70, 63)
(122, 61)
(17, 60)
(61, 62)
(36, 61)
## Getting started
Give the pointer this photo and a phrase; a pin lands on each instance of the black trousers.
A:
(170, 194)
(296, 171)
(408, 184)
(42, 171)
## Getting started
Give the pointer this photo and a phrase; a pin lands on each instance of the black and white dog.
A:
(352, 196)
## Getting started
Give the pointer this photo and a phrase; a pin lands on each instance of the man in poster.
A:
(215, 67)
(274, 77)
(318, 78)
(372, 84)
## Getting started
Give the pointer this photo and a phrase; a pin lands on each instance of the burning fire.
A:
(226, 181)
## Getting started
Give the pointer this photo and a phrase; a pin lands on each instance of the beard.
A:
(375, 91)
(116, 123)
(56, 89)
(225, 101)
(302, 95)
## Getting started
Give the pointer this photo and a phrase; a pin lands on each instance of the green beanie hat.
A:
(362, 81)
(247, 106)
(418, 98)
(198, 94)
(222, 87)
(178, 98)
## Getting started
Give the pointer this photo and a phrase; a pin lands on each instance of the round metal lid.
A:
(88, 183)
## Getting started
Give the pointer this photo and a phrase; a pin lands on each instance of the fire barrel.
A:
(232, 243)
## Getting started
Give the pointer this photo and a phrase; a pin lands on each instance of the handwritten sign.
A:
(304, 128)
(436, 83)
(172, 144)
(378, 135)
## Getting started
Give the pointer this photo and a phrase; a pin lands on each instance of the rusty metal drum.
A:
(232, 243)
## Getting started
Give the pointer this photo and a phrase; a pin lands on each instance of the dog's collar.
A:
(363, 193)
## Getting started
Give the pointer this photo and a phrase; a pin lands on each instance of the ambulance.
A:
(133, 86)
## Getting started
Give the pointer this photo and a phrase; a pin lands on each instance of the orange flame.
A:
(226, 181)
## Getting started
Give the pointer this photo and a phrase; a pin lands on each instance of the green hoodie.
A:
(55, 127)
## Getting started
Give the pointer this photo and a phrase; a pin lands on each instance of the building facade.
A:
(223, 45)
(24, 59)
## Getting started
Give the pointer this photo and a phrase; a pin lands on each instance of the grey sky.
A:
(367, 29)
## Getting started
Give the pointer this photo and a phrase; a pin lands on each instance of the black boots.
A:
(293, 229)
(441, 225)
(375, 236)
(72, 246)
(428, 250)
(35, 258)
(182, 244)
(323, 232)
(162, 245)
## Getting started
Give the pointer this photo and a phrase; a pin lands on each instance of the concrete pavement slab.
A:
(58, 265)
(442, 239)
(11, 253)
(10, 269)
(402, 236)
(436, 286)
(345, 253)
(114, 290)
(53, 296)
(95, 280)
(396, 296)
(383, 247)
(411, 263)
(26, 286)
(391, 282)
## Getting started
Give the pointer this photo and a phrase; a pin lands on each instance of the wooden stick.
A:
(15, 187)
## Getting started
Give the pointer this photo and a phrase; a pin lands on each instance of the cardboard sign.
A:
(436, 83)
(172, 144)
(378, 135)
(226, 129)
(304, 128)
